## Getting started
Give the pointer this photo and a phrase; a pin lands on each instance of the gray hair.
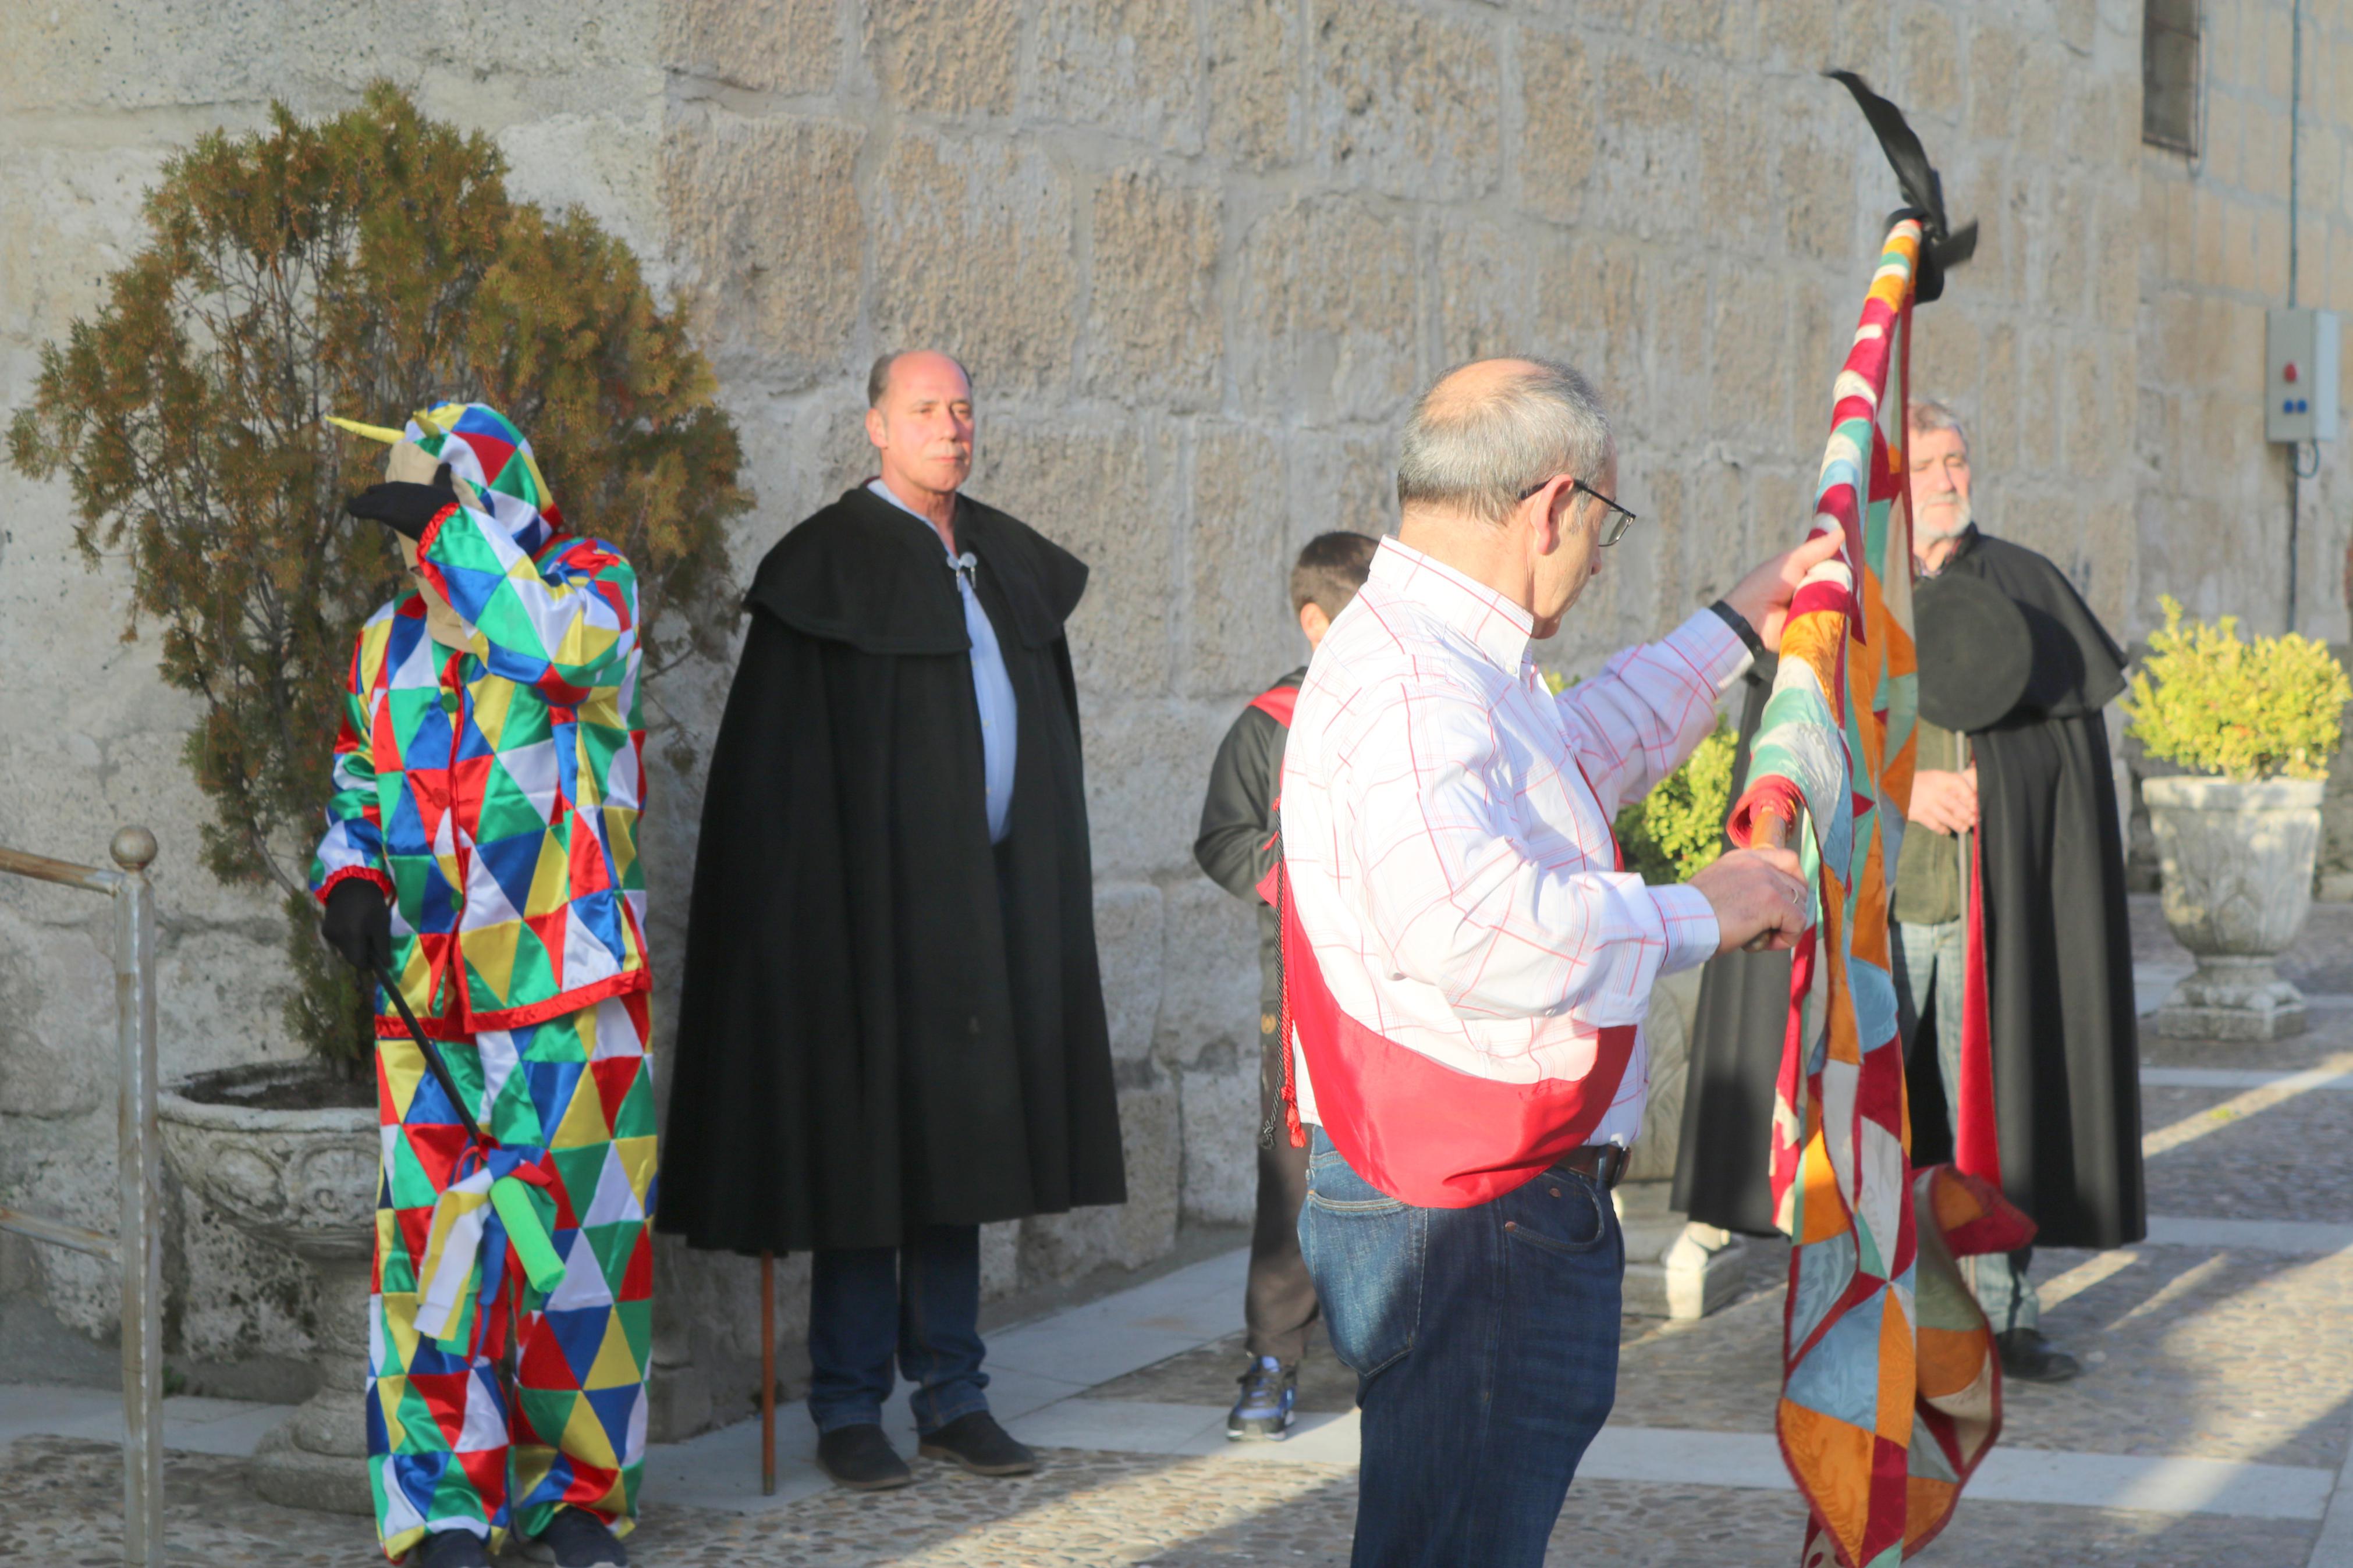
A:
(1923, 415)
(1480, 452)
(877, 380)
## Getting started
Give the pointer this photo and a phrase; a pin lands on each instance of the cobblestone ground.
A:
(2235, 1353)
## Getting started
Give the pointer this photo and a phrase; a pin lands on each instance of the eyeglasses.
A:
(1620, 520)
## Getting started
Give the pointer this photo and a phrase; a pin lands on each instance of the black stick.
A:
(432, 1049)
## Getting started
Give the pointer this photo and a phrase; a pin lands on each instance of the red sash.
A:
(1278, 703)
(1421, 1132)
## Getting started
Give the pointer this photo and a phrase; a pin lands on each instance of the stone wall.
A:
(1200, 256)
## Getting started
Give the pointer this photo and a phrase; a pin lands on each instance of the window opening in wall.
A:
(2168, 71)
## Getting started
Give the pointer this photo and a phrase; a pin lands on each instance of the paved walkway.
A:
(2213, 1424)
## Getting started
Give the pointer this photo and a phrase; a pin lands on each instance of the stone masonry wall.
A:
(1199, 255)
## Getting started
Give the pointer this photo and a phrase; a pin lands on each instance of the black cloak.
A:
(1726, 1150)
(2067, 1048)
(886, 1021)
(2059, 958)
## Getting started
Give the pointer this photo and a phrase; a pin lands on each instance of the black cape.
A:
(2066, 1049)
(2059, 958)
(886, 1021)
(1726, 1148)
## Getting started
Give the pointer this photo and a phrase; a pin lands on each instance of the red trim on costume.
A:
(1771, 794)
(1976, 1135)
(1278, 703)
(628, 983)
(382, 882)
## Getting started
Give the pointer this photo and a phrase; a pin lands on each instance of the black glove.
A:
(406, 507)
(358, 922)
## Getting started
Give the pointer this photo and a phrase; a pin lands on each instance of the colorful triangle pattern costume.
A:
(1891, 1391)
(493, 793)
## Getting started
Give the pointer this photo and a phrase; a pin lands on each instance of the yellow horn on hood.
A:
(383, 433)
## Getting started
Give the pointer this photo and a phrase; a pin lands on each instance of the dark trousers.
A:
(1279, 1302)
(920, 1301)
(1485, 1342)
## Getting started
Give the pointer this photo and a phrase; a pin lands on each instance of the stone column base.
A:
(2242, 999)
(296, 1477)
(1675, 1269)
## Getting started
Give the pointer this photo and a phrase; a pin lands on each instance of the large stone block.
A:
(1147, 763)
(1994, 59)
(1209, 1001)
(1130, 67)
(769, 45)
(1129, 943)
(767, 224)
(73, 216)
(1103, 498)
(1818, 196)
(1485, 291)
(1929, 49)
(1056, 1248)
(1238, 634)
(1647, 176)
(1327, 307)
(1156, 329)
(1337, 482)
(1252, 65)
(1557, 131)
(972, 254)
(1221, 1126)
(1750, 385)
(946, 56)
(1405, 100)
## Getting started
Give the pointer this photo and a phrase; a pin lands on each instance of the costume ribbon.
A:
(475, 1222)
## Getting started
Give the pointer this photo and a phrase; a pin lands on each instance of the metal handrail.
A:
(138, 1244)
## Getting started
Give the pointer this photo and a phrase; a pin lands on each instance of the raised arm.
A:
(1460, 902)
(1637, 720)
(353, 844)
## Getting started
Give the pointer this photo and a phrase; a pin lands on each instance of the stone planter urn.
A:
(304, 1181)
(2237, 861)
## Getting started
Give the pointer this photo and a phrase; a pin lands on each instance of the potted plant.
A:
(2256, 723)
(365, 266)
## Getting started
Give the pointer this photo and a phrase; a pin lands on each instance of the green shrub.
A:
(2216, 703)
(363, 265)
(1678, 828)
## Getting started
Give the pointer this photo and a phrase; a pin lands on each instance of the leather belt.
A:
(1603, 1163)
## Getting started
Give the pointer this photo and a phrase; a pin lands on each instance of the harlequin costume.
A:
(491, 794)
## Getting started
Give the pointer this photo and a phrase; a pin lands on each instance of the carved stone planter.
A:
(2238, 862)
(304, 1181)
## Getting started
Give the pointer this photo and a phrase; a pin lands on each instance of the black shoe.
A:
(2027, 1356)
(575, 1539)
(1263, 1413)
(861, 1458)
(978, 1444)
(450, 1549)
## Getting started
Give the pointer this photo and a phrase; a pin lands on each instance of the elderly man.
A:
(1467, 965)
(892, 1029)
(2023, 805)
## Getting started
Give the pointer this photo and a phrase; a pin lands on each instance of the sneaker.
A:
(1264, 1414)
(450, 1549)
(861, 1458)
(576, 1538)
(2029, 1357)
(978, 1444)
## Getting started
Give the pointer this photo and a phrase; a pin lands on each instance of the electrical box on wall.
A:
(2300, 375)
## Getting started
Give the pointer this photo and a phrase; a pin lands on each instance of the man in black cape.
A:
(892, 1029)
(2036, 786)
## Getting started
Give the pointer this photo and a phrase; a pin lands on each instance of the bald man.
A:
(1467, 964)
(892, 1030)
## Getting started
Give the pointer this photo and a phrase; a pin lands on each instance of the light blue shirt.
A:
(991, 689)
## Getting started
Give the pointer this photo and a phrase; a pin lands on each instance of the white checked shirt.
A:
(1449, 861)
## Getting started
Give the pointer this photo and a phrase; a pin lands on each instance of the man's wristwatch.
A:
(1740, 627)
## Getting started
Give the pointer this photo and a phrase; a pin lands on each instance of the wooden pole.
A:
(767, 1374)
(1770, 831)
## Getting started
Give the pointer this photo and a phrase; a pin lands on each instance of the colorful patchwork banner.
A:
(1883, 1412)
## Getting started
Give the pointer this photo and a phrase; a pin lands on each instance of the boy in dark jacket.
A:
(1234, 848)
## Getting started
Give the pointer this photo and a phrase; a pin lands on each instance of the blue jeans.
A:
(920, 1300)
(1933, 963)
(1485, 1342)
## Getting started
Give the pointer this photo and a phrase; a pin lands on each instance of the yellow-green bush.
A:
(2210, 700)
(1678, 828)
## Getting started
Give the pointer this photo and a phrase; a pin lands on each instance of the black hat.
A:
(1975, 651)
